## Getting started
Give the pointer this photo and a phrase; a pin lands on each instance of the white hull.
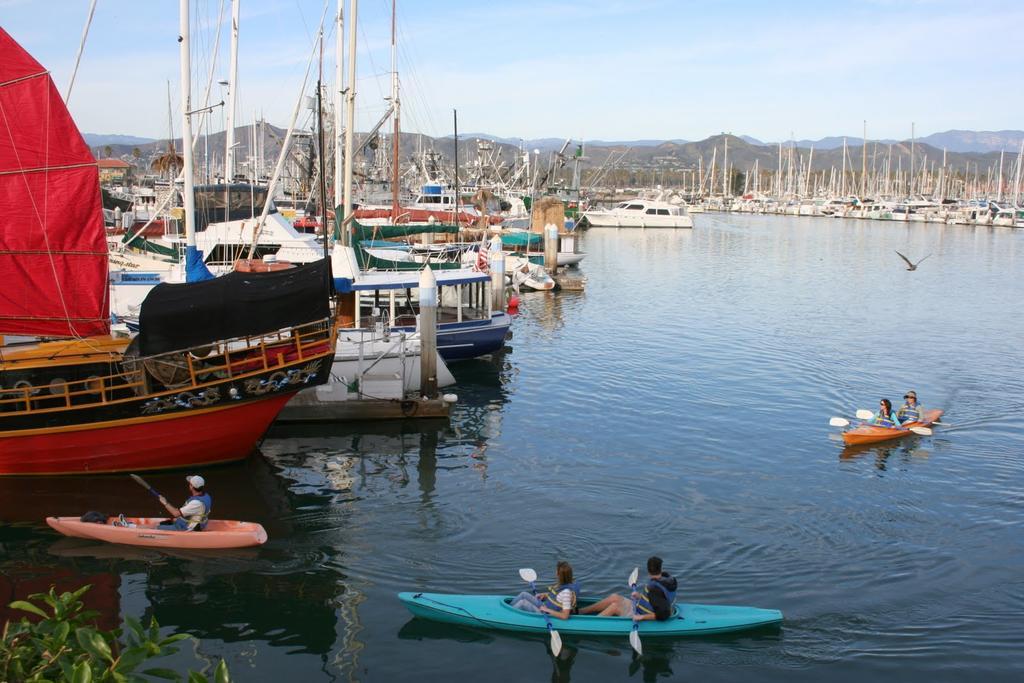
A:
(607, 219)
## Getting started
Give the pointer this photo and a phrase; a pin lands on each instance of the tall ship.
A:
(213, 363)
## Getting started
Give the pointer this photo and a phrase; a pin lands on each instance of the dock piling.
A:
(551, 248)
(427, 323)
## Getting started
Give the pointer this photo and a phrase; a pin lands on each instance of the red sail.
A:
(53, 252)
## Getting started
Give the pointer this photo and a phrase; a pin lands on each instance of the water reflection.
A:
(654, 663)
(21, 578)
(886, 456)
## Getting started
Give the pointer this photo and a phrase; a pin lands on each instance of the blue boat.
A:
(496, 612)
(467, 327)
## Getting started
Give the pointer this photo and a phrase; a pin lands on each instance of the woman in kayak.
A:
(885, 417)
(558, 600)
(653, 600)
(911, 410)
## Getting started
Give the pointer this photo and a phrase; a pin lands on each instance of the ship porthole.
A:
(58, 386)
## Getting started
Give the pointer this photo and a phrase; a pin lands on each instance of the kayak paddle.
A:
(142, 482)
(863, 414)
(530, 576)
(634, 634)
(839, 422)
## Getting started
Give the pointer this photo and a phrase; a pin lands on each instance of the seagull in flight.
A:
(910, 264)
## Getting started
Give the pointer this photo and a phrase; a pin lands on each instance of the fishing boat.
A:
(496, 612)
(869, 433)
(145, 531)
(215, 360)
(468, 326)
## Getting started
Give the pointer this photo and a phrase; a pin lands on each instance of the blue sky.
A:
(567, 68)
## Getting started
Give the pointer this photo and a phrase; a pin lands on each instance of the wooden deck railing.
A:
(206, 365)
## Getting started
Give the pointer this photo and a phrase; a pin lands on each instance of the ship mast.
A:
(186, 133)
(394, 104)
(350, 116)
(232, 98)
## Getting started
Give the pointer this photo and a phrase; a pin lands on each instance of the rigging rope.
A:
(81, 48)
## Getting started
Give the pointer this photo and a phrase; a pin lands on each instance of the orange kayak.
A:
(219, 533)
(867, 433)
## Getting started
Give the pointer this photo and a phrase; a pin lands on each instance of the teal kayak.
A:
(495, 611)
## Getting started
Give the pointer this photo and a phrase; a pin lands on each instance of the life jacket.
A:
(884, 421)
(643, 603)
(908, 413)
(550, 597)
(199, 521)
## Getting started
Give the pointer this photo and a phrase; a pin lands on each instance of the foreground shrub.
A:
(63, 644)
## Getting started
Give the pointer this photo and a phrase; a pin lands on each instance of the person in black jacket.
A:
(654, 599)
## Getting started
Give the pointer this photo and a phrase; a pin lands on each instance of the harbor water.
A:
(679, 407)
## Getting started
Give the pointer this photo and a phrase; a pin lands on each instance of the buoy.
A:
(513, 302)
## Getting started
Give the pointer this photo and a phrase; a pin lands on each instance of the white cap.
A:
(196, 481)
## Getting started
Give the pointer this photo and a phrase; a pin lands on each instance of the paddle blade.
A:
(923, 431)
(633, 576)
(140, 481)
(556, 643)
(839, 422)
(864, 414)
(634, 641)
(527, 575)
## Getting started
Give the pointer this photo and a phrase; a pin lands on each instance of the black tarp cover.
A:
(180, 316)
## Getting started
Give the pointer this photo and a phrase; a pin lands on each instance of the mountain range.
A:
(968, 141)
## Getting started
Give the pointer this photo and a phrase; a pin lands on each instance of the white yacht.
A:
(640, 213)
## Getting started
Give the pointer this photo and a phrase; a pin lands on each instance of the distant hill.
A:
(970, 141)
(836, 142)
(976, 141)
(555, 144)
(632, 156)
(99, 139)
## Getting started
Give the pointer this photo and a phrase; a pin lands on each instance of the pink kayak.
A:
(219, 533)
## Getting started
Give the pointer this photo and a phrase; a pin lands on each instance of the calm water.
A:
(679, 406)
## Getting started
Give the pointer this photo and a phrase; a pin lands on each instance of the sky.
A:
(585, 69)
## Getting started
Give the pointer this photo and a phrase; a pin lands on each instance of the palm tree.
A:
(169, 162)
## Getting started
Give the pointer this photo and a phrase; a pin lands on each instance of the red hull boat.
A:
(200, 437)
(215, 359)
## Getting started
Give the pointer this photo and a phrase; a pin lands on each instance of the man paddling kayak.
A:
(911, 410)
(653, 600)
(195, 512)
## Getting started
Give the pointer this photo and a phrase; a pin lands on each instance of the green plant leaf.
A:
(28, 607)
(220, 674)
(81, 673)
(60, 632)
(81, 591)
(135, 626)
(173, 638)
(131, 658)
(94, 643)
(166, 674)
(194, 677)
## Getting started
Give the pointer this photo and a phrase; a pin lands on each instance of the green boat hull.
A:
(495, 612)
